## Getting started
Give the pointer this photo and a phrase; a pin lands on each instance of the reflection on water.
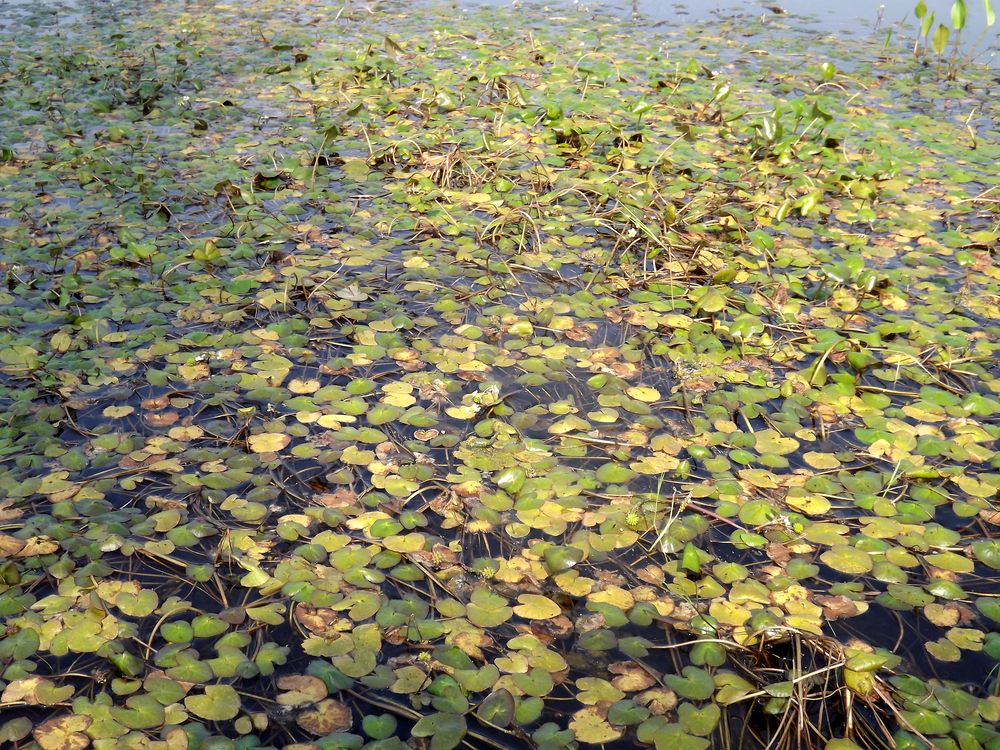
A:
(843, 16)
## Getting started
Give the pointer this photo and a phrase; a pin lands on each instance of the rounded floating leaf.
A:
(612, 473)
(63, 733)
(268, 442)
(446, 730)
(643, 393)
(217, 703)
(842, 743)
(535, 607)
(301, 690)
(497, 708)
(590, 726)
(694, 684)
(325, 717)
(848, 559)
(379, 726)
(699, 721)
(140, 605)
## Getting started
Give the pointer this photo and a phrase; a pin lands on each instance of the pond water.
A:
(852, 17)
(848, 17)
(393, 376)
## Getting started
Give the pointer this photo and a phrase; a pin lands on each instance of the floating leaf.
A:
(591, 727)
(534, 607)
(63, 733)
(325, 717)
(379, 726)
(987, 551)
(488, 610)
(268, 442)
(301, 690)
(842, 743)
(699, 721)
(643, 393)
(445, 730)
(847, 559)
(497, 708)
(139, 605)
(612, 473)
(217, 703)
(15, 730)
(694, 683)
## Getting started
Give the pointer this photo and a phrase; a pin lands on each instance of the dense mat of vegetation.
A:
(372, 375)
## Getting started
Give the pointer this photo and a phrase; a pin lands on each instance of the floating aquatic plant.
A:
(378, 375)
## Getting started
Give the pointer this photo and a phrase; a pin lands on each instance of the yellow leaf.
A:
(268, 442)
(63, 733)
(535, 607)
(297, 385)
(191, 373)
(643, 393)
(811, 505)
(821, 461)
(615, 596)
(772, 441)
(117, 412)
(590, 726)
(402, 400)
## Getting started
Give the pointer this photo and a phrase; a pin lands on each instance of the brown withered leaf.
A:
(10, 545)
(325, 717)
(320, 621)
(658, 700)
(8, 512)
(631, 677)
(835, 607)
(779, 553)
(342, 498)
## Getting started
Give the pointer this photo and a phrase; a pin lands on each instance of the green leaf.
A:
(690, 559)
(140, 712)
(866, 662)
(385, 527)
(989, 607)
(699, 721)
(695, 684)
(627, 712)
(940, 39)
(179, 631)
(217, 703)
(559, 558)
(497, 708)
(847, 559)
(15, 730)
(140, 605)
(379, 726)
(927, 721)
(164, 690)
(842, 743)
(958, 15)
(987, 551)
(927, 24)
(612, 473)
(591, 727)
(511, 479)
(445, 730)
